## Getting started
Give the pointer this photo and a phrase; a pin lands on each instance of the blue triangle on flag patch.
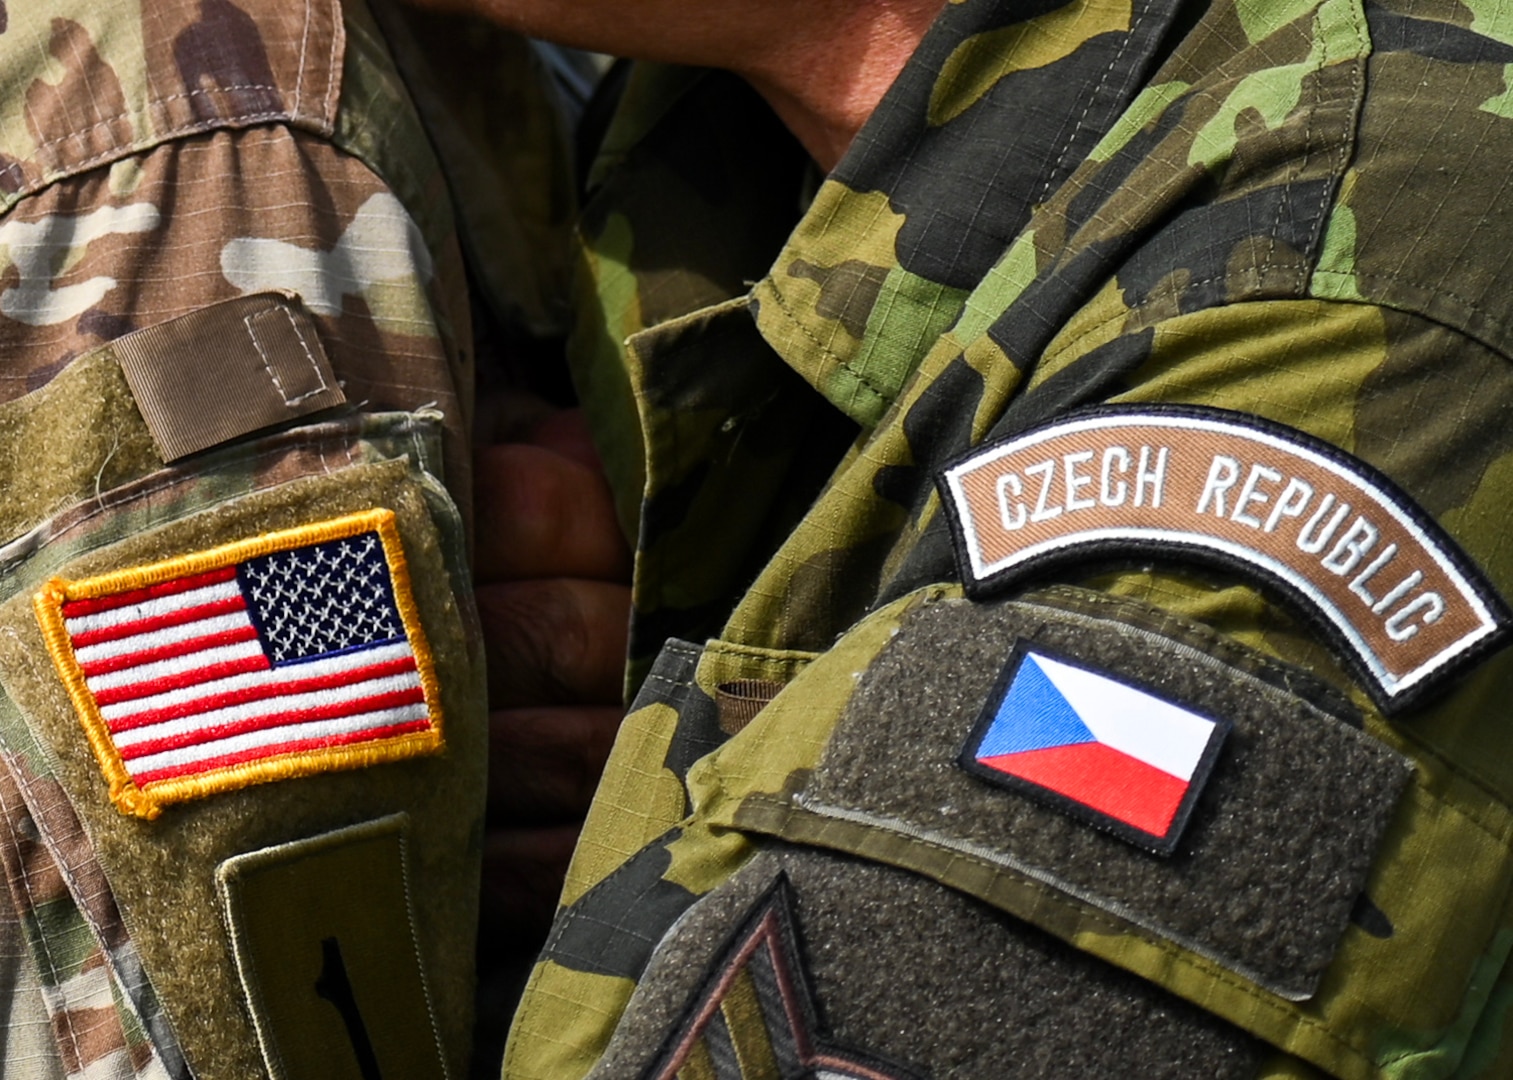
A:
(1118, 755)
(1044, 716)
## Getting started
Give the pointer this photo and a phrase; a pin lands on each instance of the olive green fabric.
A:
(43, 429)
(325, 948)
(1297, 211)
(903, 977)
(500, 143)
(1270, 863)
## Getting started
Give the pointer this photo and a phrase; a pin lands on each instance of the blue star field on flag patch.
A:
(274, 656)
(321, 599)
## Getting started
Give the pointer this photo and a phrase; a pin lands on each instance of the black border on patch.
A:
(1163, 845)
(1170, 550)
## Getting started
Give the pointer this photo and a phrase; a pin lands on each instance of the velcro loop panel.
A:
(1275, 854)
(162, 872)
(326, 951)
(227, 371)
(873, 972)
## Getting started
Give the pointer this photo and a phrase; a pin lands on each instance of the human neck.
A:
(825, 83)
(823, 65)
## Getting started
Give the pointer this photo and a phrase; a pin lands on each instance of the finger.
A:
(566, 432)
(559, 641)
(541, 514)
(523, 871)
(545, 763)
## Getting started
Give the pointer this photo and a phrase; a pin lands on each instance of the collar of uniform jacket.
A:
(1000, 104)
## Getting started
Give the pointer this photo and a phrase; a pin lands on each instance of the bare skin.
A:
(823, 65)
(552, 572)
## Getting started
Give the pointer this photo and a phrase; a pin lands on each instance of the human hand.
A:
(553, 572)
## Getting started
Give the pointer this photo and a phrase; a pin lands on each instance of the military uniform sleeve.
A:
(1128, 699)
(235, 369)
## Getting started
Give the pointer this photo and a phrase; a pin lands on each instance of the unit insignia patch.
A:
(291, 653)
(1388, 584)
(1115, 755)
(755, 1017)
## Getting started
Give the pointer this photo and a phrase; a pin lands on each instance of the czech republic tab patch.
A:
(1374, 571)
(1113, 754)
(291, 653)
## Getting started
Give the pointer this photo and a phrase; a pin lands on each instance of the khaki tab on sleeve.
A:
(1377, 574)
(327, 955)
(226, 371)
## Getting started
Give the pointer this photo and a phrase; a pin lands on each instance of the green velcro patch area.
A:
(162, 872)
(1278, 846)
(325, 946)
(868, 971)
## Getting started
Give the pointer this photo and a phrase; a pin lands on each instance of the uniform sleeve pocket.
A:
(1089, 775)
(268, 641)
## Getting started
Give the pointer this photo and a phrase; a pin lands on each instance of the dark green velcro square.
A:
(1278, 846)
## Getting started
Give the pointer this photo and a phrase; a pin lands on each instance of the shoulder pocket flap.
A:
(994, 746)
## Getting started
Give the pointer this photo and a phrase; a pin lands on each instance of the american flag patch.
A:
(291, 653)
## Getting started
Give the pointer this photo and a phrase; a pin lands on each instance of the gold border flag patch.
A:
(290, 653)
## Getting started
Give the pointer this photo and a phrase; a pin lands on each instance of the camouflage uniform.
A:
(1291, 211)
(179, 180)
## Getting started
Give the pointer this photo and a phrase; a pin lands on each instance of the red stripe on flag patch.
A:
(334, 711)
(1103, 779)
(94, 605)
(259, 692)
(169, 652)
(209, 673)
(181, 617)
(409, 728)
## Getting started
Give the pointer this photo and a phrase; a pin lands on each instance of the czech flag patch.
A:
(1116, 755)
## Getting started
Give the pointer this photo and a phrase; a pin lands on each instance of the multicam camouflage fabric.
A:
(1294, 210)
(171, 155)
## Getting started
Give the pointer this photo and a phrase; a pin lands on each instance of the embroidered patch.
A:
(1118, 756)
(291, 653)
(1384, 580)
(755, 1017)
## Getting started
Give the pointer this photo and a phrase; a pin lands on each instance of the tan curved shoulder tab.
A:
(1357, 553)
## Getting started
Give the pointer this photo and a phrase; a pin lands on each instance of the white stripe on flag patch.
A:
(179, 665)
(156, 639)
(256, 681)
(320, 729)
(1146, 728)
(207, 722)
(150, 609)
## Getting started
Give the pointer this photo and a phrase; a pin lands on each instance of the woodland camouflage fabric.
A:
(158, 156)
(1296, 210)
